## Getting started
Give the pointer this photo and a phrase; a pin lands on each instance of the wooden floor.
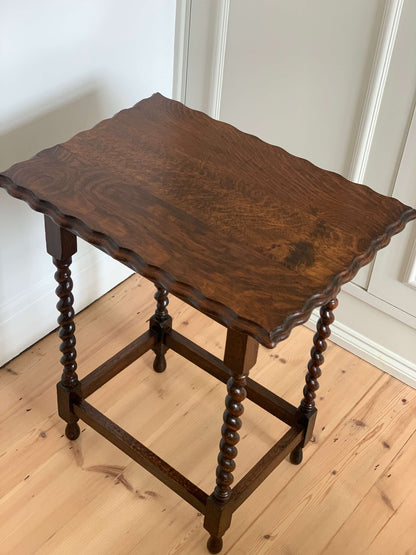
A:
(354, 493)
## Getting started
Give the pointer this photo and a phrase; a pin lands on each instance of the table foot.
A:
(72, 431)
(307, 410)
(161, 323)
(296, 455)
(214, 544)
(61, 245)
(159, 364)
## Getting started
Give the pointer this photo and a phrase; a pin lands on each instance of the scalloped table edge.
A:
(216, 310)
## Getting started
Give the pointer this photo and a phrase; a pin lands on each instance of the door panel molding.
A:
(394, 274)
(376, 84)
(409, 277)
(372, 104)
(218, 60)
(211, 45)
(372, 325)
(181, 49)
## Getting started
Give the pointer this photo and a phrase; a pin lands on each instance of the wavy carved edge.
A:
(218, 311)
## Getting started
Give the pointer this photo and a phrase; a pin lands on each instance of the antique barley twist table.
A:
(241, 230)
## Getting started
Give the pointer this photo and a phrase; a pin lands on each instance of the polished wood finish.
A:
(240, 356)
(230, 437)
(240, 229)
(240, 353)
(307, 409)
(61, 244)
(307, 405)
(219, 508)
(160, 324)
(248, 234)
(66, 322)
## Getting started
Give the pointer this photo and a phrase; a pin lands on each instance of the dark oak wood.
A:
(238, 228)
(230, 437)
(66, 322)
(69, 387)
(307, 405)
(240, 351)
(61, 244)
(307, 410)
(218, 517)
(161, 324)
(240, 355)
(296, 456)
(214, 544)
(247, 233)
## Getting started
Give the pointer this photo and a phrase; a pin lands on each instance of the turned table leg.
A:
(240, 355)
(161, 323)
(61, 245)
(307, 409)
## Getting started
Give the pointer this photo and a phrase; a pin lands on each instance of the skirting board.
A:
(32, 315)
(370, 351)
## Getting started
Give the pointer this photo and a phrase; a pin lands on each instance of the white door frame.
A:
(360, 303)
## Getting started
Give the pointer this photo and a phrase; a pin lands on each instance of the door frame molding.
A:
(182, 41)
(218, 60)
(181, 49)
(376, 84)
(370, 305)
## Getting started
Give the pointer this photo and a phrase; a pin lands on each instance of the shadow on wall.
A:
(45, 129)
(23, 260)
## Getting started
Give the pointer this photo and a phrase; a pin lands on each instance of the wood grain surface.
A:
(242, 230)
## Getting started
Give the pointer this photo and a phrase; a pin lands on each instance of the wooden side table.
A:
(241, 230)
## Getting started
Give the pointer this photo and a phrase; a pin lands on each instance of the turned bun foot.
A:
(214, 545)
(296, 455)
(159, 364)
(72, 431)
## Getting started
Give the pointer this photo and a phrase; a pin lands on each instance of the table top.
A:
(242, 230)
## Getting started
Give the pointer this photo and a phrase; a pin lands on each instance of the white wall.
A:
(304, 91)
(65, 66)
(335, 82)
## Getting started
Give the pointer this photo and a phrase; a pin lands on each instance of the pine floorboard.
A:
(355, 491)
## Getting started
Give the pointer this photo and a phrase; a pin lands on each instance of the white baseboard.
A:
(32, 314)
(370, 351)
